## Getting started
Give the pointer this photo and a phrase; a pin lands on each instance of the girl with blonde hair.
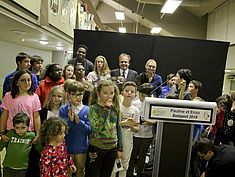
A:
(53, 102)
(106, 138)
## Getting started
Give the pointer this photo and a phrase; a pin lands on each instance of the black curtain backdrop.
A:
(206, 59)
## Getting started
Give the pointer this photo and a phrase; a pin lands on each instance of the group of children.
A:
(71, 138)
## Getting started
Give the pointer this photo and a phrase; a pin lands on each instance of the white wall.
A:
(8, 53)
(61, 57)
(221, 27)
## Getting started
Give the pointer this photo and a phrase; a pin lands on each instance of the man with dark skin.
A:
(81, 59)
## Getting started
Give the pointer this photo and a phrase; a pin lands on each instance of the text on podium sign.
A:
(180, 111)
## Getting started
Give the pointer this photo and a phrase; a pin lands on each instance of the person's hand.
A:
(203, 175)
(35, 140)
(119, 154)
(131, 122)
(233, 107)
(109, 103)
(182, 85)
(73, 168)
(77, 120)
(149, 122)
(71, 114)
(5, 138)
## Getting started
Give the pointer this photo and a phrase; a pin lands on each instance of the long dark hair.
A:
(14, 85)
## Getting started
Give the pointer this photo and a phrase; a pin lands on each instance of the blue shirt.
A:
(156, 82)
(165, 90)
(78, 134)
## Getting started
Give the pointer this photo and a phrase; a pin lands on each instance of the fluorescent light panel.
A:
(156, 30)
(59, 48)
(122, 29)
(170, 6)
(120, 15)
(43, 42)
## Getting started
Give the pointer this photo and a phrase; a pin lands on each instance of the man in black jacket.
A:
(81, 59)
(221, 159)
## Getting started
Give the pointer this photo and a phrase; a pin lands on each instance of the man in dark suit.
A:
(123, 70)
(81, 59)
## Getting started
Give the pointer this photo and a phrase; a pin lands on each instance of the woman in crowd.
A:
(154, 79)
(101, 70)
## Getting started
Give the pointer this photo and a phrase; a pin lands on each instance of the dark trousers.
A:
(34, 163)
(140, 148)
(102, 164)
(9, 172)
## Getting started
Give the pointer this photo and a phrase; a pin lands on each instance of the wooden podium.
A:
(174, 132)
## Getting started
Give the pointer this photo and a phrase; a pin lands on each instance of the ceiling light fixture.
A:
(120, 15)
(43, 42)
(19, 32)
(155, 30)
(122, 29)
(170, 6)
(70, 51)
(59, 48)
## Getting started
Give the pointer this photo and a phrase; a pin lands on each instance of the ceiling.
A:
(189, 20)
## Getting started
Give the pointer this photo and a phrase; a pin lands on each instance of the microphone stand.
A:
(160, 85)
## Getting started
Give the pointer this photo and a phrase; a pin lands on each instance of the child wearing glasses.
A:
(18, 147)
(20, 99)
(76, 115)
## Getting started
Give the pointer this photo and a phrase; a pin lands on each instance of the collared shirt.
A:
(126, 72)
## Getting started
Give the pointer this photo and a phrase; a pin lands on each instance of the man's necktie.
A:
(123, 74)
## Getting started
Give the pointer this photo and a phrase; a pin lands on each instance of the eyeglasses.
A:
(75, 95)
(25, 80)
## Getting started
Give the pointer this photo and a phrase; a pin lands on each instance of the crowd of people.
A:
(86, 119)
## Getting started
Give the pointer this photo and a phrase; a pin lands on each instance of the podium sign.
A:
(175, 119)
(180, 111)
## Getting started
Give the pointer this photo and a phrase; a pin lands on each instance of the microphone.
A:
(161, 85)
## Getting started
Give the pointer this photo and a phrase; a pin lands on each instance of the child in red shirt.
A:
(54, 159)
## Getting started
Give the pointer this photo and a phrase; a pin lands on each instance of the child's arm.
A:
(134, 126)
(84, 123)
(135, 121)
(119, 135)
(2, 143)
(37, 125)
(71, 164)
(3, 122)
